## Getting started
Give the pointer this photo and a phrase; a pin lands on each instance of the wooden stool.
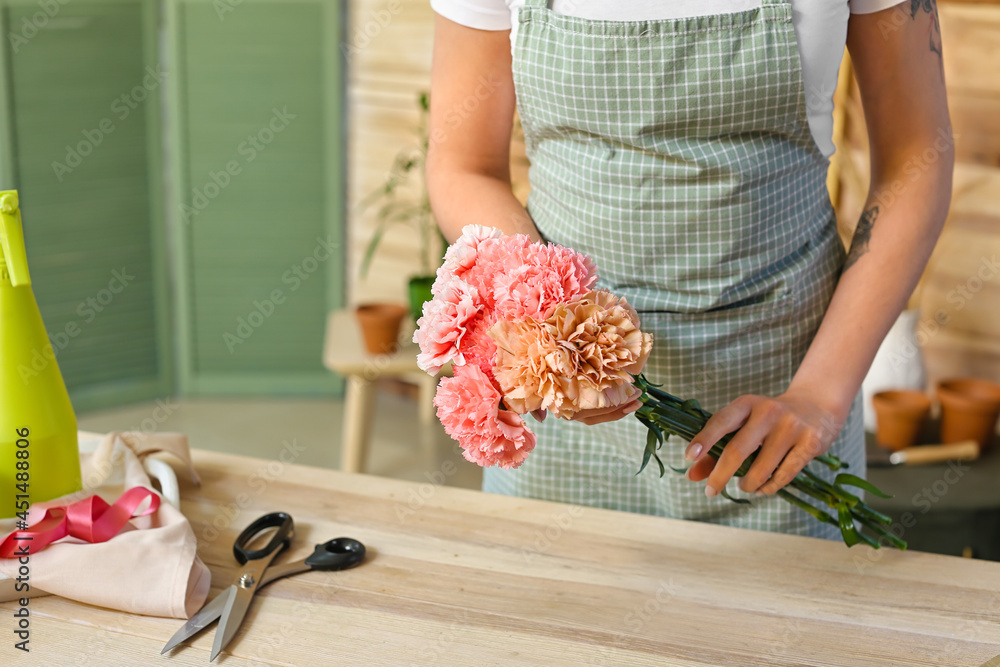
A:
(344, 352)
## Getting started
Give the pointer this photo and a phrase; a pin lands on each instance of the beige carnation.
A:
(530, 366)
(582, 357)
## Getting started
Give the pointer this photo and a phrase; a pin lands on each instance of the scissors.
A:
(231, 604)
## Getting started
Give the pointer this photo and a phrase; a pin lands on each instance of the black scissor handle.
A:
(286, 530)
(339, 554)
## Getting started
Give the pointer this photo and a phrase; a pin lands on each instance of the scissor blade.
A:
(280, 571)
(205, 617)
(232, 617)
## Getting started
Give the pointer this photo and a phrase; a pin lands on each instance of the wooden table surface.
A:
(458, 577)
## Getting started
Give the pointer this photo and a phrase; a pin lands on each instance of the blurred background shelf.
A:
(950, 508)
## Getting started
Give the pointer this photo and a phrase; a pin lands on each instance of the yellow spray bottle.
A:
(39, 457)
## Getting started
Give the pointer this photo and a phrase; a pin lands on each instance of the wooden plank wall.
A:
(388, 43)
(959, 294)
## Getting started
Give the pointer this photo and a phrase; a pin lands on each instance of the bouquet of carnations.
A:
(525, 331)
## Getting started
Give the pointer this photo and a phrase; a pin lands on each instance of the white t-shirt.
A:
(820, 28)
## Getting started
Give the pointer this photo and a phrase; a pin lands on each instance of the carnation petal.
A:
(468, 407)
(443, 325)
(581, 357)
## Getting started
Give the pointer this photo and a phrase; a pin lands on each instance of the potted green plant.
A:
(398, 206)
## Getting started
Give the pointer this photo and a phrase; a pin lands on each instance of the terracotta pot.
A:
(380, 324)
(900, 415)
(969, 410)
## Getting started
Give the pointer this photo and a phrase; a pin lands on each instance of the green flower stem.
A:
(664, 415)
(831, 462)
(889, 536)
(815, 491)
(832, 489)
(815, 511)
(867, 513)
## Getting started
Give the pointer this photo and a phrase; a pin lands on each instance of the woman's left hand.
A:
(790, 430)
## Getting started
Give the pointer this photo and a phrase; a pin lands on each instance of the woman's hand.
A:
(601, 415)
(900, 76)
(789, 430)
(613, 413)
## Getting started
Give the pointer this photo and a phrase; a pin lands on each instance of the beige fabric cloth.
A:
(150, 568)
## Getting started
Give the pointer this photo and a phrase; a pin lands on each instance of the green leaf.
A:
(738, 501)
(403, 215)
(645, 381)
(838, 492)
(691, 406)
(370, 250)
(387, 190)
(848, 479)
(659, 435)
(645, 414)
(847, 528)
(650, 448)
(391, 207)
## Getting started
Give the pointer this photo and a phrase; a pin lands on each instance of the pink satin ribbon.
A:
(90, 519)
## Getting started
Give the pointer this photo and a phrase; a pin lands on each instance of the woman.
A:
(685, 146)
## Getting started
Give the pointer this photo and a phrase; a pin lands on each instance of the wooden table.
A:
(345, 353)
(459, 577)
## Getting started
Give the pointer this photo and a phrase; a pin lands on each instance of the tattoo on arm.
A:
(862, 235)
(934, 31)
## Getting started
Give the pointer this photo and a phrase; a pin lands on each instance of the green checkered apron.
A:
(677, 154)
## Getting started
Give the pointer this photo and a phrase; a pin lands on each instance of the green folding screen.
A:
(257, 198)
(219, 255)
(79, 117)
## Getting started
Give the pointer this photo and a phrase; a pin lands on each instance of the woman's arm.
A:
(900, 75)
(472, 112)
(468, 159)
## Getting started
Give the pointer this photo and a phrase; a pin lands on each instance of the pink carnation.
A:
(478, 347)
(520, 316)
(462, 254)
(468, 406)
(443, 325)
(542, 277)
(496, 257)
